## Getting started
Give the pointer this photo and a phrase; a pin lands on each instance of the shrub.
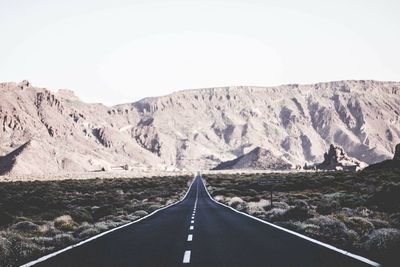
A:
(257, 208)
(105, 225)
(306, 228)
(333, 230)
(154, 207)
(131, 217)
(326, 207)
(275, 214)
(26, 226)
(140, 213)
(383, 239)
(43, 241)
(6, 253)
(65, 223)
(81, 215)
(21, 247)
(237, 203)
(99, 212)
(88, 233)
(62, 240)
(278, 205)
(361, 225)
(296, 213)
(379, 223)
(130, 207)
(220, 198)
(395, 219)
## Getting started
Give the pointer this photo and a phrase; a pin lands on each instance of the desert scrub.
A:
(359, 212)
(37, 217)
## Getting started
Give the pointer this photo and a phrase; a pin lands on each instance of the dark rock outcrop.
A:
(397, 153)
(390, 164)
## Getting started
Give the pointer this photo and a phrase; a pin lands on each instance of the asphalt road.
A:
(199, 232)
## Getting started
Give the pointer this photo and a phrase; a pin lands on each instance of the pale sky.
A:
(121, 51)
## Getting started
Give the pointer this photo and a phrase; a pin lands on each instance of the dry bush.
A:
(26, 226)
(383, 239)
(65, 223)
(384, 245)
(361, 225)
(140, 213)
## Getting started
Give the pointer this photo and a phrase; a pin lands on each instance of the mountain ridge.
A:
(200, 128)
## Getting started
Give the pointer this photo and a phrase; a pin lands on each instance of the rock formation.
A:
(397, 152)
(337, 159)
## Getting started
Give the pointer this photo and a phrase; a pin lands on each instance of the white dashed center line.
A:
(190, 237)
(186, 257)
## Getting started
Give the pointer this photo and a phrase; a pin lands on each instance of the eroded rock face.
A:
(337, 159)
(198, 129)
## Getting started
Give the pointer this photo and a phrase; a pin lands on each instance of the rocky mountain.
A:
(337, 159)
(389, 164)
(44, 132)
(257, 159)
(196, 129)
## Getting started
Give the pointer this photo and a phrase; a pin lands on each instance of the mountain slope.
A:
(198, 129)
(203, 127)
(257, 159)
(67, 134)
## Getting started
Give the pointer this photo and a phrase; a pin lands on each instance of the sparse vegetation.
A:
(37, 218)
(358, 212)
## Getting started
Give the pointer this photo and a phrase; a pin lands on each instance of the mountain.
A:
(389, 164)
(257, 159)
(44, 132)
(337, 159)
(196, 129)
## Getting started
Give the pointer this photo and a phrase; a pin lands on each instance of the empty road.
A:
(199, 232)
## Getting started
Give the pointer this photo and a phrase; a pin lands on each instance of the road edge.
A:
(344, 252)
(46, 257)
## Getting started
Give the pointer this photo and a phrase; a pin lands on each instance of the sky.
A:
(120, 51)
